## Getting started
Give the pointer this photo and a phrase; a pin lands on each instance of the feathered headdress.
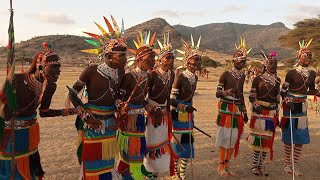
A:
(189, 51)
(241, 50)
(107, 41)
(166, 46)
(303, 47)
(44, 58)
(144, 44)
(265, 57)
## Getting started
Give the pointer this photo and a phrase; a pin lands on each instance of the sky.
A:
(46, 17)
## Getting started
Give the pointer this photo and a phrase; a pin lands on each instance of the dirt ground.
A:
(58, 137)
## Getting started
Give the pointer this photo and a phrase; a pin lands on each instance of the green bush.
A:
(207, 62)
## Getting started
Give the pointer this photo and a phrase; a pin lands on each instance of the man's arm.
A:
(45, 111)
(312, 88)
(285, 85)
(175, 90)
(244, 109)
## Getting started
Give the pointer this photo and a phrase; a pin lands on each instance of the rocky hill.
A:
(216, 37)
(221, 37)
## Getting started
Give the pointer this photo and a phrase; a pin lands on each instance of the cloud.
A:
(168, 13)
(233, 8)
(302, 11)
(53, 18)
(178, 14)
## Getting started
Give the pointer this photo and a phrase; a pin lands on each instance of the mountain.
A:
(221, 37)
(216, 37)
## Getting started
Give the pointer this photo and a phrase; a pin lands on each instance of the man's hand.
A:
(70, 111)
(258, 109)
(157, 114)
(124, 109)
(93, 123)
(229, 92)
(290, 106)
(190, 109)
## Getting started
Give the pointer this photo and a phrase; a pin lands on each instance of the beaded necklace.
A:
(110, 74)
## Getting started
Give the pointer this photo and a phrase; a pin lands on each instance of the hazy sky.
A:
(45, 17)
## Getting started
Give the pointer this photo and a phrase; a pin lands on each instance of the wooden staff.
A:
(10, 73)
(175, 137)
(133, 91)
(292, 148)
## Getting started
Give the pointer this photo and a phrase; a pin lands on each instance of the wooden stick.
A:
(13, 118)
(175, 137)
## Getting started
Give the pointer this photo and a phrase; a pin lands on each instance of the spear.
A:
(9, 91)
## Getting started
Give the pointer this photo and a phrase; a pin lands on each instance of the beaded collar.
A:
(34, 84)
(164, 76)
(108, 72)
(137, 72)
(191, 76)
(236, 74)
(303, 71)
(269, 78)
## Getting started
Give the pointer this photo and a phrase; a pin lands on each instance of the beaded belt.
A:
(103, 117)
(136, 111)
(19, 124)
(230, 101)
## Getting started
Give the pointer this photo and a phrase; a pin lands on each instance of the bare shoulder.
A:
(128, 76)
(313, 73)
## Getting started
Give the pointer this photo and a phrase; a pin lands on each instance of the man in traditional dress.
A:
(299, 83)
(34, 90)
(265, 98)
(132, 104)
(157, 159)
(97, 125)
(232, 110)
(183, 89)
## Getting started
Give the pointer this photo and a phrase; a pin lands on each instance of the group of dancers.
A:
(140, 123)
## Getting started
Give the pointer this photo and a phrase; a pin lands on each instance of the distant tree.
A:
(305, 29)
(206, 61)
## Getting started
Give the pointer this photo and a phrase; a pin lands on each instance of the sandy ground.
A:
(58, 137)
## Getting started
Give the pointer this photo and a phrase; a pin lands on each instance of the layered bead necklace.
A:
(303, 71)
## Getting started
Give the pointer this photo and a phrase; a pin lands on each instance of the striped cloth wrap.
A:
(230, 124)
(157, 158)
(262, 130)
(98, 148)
(299, 117)
(132, 142)
(182, 132)
(27, 139)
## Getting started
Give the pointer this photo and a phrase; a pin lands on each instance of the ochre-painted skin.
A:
(233, 87)
(129, 82)
(27, 98)
(97, 85)
(186, 90)
(266, 91)
(157, 89)
(300, 84)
